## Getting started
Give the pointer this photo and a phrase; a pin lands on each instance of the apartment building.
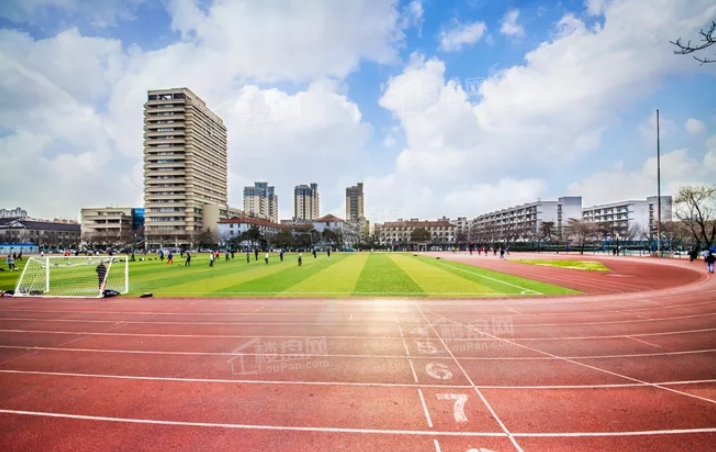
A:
(636, 219)
(111, 223)
(13, 213)
(523, 222)
(355, 202)
(261, 201)
(393, 232)
(185, 165)
(306, 202)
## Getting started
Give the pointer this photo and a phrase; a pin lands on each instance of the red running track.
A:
(628, 366)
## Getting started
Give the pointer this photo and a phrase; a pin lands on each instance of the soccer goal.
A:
(73, 276)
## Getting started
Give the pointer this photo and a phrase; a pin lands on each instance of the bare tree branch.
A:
(709, 39)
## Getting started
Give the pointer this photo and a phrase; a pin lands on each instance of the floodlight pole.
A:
(658, 186)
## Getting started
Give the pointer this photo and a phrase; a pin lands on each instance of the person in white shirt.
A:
(266, 257)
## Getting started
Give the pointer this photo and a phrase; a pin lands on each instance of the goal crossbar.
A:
(73, 276)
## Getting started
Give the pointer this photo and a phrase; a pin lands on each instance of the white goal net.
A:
(73, 276)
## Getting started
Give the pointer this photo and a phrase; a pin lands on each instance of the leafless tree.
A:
(580, 231)
(708, 38)
(696, 209)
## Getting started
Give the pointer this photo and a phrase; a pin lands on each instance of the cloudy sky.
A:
(440, 107)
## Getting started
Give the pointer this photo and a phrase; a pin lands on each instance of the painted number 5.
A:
(459, 407)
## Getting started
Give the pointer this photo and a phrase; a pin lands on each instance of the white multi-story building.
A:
(13, 213)
(306, 202)
(234, 227)
(108, 222)
(261, 201)
(634, 219)
(391, 232)
(524, 221)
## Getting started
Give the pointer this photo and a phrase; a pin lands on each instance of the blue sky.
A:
(567, 90)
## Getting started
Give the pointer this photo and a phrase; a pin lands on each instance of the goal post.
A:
(73, 276)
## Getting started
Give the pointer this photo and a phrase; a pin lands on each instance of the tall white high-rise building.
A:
(261, 201)
(306, 202)
(185, 166)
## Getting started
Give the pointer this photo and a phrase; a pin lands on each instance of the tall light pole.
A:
(658, 186)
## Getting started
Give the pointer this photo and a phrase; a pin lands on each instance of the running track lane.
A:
(638, 376)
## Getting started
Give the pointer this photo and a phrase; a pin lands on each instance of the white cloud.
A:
(413, 14)
(461, 35)
(73, 104)
(548, 113)
(648, 128)
(389, 141)
(694, 126)
(678, 168)
(596, 7)
(510, 27)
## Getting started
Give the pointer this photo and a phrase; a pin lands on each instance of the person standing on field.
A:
(710, 260)
(170, 258)
(300, 259)
(187, 262)
(101, 273)
(211, 259)
(248, 257)
(266, 257)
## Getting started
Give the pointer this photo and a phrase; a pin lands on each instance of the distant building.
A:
(42, 233)
(636, 219)
(234, 227)
(185, 167)
(306, 202)
(112, 224)
(523, 222)
(442, 232)
(13, 213)
(261, 201)
(355, 204)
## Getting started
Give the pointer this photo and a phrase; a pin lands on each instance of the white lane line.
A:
(351, 318)
(475, 389)
(250, 426)
(148, 322)
(645, 342)
(425, 408)
(537, 338)
(599, 369)
(505, 283)
(412, 368)
(350, 430)
(515, 311)
(466, 358)
(348, 384)
(437, 446)
(259, 309)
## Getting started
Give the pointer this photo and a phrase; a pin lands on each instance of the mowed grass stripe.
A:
(155, 270)
(382, 277)
(172, 275)
(437, 281)
(508, 284)
(242, 273)
(273, 285)
(339, 279)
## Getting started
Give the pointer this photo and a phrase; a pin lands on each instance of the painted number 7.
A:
(459, 407)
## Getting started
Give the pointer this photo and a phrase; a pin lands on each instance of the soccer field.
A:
(400, 275)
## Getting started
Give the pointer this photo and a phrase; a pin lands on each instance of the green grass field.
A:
(395, 275)
(592, 266)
